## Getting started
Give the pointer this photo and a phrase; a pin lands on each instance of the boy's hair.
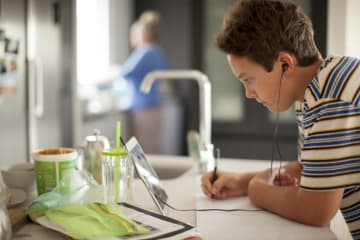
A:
(260, 29)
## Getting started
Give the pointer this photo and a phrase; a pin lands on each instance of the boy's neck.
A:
(304, 75)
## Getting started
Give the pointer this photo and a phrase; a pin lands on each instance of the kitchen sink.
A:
(169, 167)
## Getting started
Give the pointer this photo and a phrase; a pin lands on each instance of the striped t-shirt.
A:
(329, 134)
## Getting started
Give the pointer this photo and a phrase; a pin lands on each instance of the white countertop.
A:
(182, 193)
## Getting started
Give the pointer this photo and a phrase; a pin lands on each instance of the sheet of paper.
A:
(204, 202)
(252, 225)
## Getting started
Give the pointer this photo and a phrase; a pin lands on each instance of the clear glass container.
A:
(117, 176)
(5, 224)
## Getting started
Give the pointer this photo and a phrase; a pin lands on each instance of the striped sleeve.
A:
(330, 154)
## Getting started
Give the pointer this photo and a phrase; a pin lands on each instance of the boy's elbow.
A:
(317, 215)
(320, 210)
(318, 219)
(313, 215)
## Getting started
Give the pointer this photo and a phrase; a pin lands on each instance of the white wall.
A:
(352, 46)
(121, 17)
(343, 29)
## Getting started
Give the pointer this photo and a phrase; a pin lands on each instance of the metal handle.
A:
(204, 96)
(39, 88)
(36, 80)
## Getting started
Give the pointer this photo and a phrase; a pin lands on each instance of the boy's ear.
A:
(284, 67)
(286, 60)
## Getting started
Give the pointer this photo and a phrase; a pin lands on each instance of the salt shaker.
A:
(92, 153)
(117, 175)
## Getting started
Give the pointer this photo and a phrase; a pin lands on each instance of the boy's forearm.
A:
(245, 179)
(313, 208)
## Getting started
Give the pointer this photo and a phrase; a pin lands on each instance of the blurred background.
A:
(56, 57)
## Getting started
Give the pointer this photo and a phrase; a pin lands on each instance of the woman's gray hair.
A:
(149, 21)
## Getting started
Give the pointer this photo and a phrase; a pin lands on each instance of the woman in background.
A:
(144, 117)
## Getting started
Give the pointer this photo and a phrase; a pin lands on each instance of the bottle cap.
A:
(115, 152)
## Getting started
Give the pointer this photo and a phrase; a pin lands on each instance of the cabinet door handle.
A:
(36, 82)
(39, 88)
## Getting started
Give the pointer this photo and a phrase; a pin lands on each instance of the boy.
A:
(270, 48)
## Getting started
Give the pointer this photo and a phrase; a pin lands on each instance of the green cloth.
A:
(95, 220)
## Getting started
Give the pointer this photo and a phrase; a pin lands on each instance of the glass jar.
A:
(117, 176)
(5, 224)
(92, 150)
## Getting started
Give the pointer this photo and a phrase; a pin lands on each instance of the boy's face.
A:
(260, 84)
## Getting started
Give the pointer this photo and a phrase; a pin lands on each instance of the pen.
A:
(215, 175)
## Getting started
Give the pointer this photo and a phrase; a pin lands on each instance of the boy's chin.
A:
(275, 109)
(271, 109)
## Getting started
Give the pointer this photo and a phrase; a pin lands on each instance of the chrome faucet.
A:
(206, 148)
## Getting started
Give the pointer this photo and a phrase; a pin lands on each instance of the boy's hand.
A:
(227, 185)
(284, 178)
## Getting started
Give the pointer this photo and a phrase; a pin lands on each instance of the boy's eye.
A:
(246, 80)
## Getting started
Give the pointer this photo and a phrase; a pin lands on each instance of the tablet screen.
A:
(147, 173)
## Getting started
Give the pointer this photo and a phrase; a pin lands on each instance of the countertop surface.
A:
(184, 191)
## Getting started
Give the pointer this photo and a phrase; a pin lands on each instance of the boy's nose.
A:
(250, 93)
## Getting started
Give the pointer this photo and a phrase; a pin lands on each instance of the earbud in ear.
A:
(285, 67)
